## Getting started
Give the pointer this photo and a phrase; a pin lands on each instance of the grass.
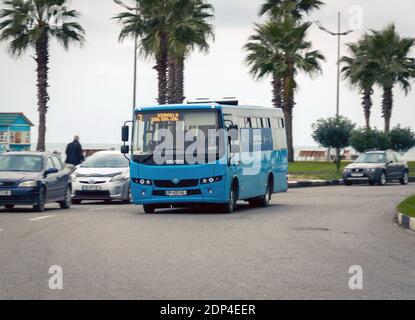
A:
(315, 170)
(320, 170)
(408, 207)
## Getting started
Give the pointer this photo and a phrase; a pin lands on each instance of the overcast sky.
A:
(91, 87)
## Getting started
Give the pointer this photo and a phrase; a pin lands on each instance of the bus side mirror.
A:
(125, 149)
(125, 133)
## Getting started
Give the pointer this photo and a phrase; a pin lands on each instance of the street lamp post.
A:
(339, 34)
(120, 3)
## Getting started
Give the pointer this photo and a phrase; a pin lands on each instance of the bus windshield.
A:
(177, 130)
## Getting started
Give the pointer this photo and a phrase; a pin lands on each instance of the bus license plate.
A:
(176, 193)
(5, 193)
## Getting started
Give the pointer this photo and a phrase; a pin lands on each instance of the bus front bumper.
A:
(203, 194)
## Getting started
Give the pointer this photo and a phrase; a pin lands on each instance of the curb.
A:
(314, 183)
(406, 222)
(321, 183)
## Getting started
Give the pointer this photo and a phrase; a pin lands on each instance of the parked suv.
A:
(33, 178)
(377, 167)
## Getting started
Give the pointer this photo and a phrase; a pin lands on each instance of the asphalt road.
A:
(301, 247)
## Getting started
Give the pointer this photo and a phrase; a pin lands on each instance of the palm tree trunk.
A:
(276, 92)
(180, 80)
(161, 67)
(171, 81)
(387, 104)
(287, 107)
(367, 105)
(42, 60)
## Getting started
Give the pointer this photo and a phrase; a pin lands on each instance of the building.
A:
(14, 131)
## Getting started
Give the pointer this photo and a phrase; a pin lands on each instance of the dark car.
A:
(34, 178)
(377, 167)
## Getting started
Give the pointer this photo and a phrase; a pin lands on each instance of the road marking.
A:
(100, 208)
(41, 218)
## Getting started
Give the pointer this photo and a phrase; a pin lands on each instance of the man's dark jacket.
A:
(74, 153)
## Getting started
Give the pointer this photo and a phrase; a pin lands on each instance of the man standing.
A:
(74, 154)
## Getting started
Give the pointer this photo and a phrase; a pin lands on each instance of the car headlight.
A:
(210, 180)
(28, 184)
(142, 181)
(371, 170)
(346, 170)
(120, 177)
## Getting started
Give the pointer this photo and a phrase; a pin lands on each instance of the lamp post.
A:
(339, 34)
(120, 3)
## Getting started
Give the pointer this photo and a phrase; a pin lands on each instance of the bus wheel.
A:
(229, 207)
(149, 208)
(264, 200)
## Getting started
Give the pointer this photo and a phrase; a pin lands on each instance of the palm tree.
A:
(279, 49)
(150, 22)
(168, 30)
(361, 73)
(31, 24)
(280, 9)
(190, 31)
(389, 54)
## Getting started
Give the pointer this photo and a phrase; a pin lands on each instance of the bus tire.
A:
(263, 202)
(148, 208)
(229, 207)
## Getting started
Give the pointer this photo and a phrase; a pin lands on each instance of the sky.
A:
(91, 87)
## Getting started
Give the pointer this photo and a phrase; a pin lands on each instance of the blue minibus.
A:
(246, 159)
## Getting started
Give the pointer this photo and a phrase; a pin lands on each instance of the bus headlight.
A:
(143, 182)
(210, 180)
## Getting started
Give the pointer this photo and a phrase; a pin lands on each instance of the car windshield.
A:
(24, 163)
(371, 158)
(106, 161)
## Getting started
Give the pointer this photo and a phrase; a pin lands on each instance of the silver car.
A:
(103, 176)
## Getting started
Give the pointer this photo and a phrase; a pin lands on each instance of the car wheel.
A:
(405, 178)
(9, 206)
(40, 206)
(382, 179)
(229, 207)
(371, 182)
(149, 208)
(66, 204)
(129, 197)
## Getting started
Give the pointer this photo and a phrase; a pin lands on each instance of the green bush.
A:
(398, 139)
(333, 133)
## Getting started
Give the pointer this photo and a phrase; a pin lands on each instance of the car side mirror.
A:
(50, 171)
(125, 149)
(125, 133)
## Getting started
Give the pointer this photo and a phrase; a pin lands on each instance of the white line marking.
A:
(41, 218)
(100, 208)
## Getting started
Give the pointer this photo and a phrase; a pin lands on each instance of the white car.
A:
(103, 176)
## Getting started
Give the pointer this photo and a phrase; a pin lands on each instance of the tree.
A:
(168, 30)
(191, 30)
(401, 139)
(280, 10)
(361, 73)
(30, 25)
(364, 139)
(294, 8)
(390, 60)
(279, 49)
(333, 133)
